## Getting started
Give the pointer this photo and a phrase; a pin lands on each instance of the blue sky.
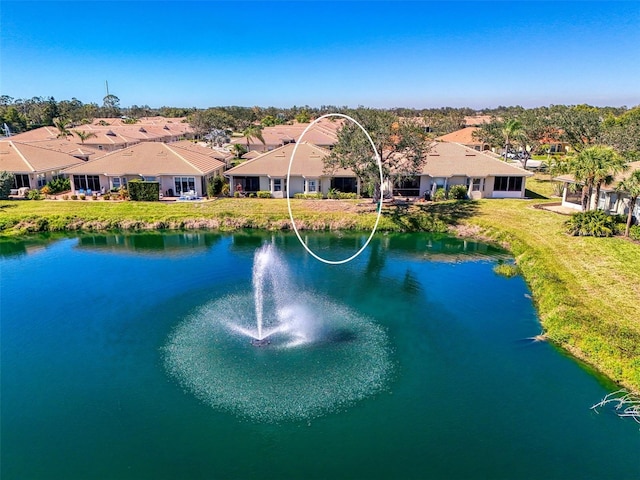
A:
(378, 54)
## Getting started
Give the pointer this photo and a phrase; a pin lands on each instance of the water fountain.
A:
(321, 355)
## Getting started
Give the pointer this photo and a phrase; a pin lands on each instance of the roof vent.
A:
(165, 127)
(142, 130)
(110, 133)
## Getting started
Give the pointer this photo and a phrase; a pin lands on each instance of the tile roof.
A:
(308, 162)
(452, 159)
(19, 157)
(204, 150)
(322, 133)
(150, 159)
(464, 136)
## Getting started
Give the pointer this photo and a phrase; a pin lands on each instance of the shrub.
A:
(215, 185)
(225, 189)
(65, 197)
(34, 195)
(45, 190)
(441, 194)
(594, 223)
(458, 192)
(634, 232)
(6, 182)
(94, 197)
(124, 193)
(142, 191)
(308, 196)
(74, 197)
(106, 196)
(59, 184)
(264, 194)
(236, 194)
(83, 197)
(337, 194)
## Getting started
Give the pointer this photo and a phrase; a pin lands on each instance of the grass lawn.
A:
(587, 290)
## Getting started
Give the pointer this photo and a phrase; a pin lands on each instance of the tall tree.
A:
(401, 144)
(591, 168)
(111, 106)
(631, 186)
(511, 130)
(63, 127)
(580, 125)
(253, 131)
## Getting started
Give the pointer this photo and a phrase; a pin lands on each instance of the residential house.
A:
(177, 169)
(449, 164)
(610, 200)
(465, 137)
(323, 134)
(268, 172)
(33, 166)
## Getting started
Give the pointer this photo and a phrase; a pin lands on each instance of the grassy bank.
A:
(587, 290)
(24, 217)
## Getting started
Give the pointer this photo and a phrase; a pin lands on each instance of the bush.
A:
(6, 183)
(236, 194)
(594, 223)
(65, 197)
(124, 193)
(141, 191)
(225, 189)
(34, 195)
(337, 194)
(59, 184)
(634, 232)
(441, 194)
(458, 192)
(106, 196)
(215, 185)
(45, 190)
(74, 197)
(83, 197)
(264, 194)
(308, 196)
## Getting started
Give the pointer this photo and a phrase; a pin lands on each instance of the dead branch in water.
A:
(626, 404)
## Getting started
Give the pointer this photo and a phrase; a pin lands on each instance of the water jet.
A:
(312, 354)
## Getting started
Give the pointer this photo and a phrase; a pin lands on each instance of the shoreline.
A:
(569, 321)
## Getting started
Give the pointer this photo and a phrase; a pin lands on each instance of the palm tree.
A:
(511, 129)
(238, 149)
(631, 186)
(253, 131)
(84, 135)
(609, 164)
(61, 124)
(592, 167)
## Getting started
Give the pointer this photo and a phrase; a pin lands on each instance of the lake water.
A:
(115, 364)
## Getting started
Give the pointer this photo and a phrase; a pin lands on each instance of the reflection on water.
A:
(183, 243)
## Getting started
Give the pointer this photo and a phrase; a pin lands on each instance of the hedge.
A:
(144, 191)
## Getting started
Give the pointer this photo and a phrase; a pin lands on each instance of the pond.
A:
(130, 356)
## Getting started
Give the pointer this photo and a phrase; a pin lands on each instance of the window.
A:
(476, 184)
(149, 179)
(277, 184)
(86, 182)
(345, 184)
(312, 186)
(115, 183)
(507, 184)
(184, 184)
(407, 187)
(21, 180)
(42, 180)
